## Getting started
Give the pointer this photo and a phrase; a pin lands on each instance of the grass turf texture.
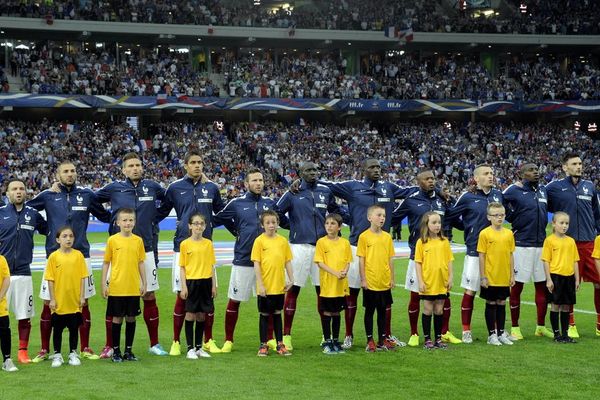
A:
(532, 368)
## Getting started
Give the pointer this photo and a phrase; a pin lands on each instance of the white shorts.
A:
(151, 273)
(89, 287)
(470, 274)
(303, 256)
(411, 283)
(529, 265)
(20, 297)
(175, 273)
(354, 271)
(242, 283)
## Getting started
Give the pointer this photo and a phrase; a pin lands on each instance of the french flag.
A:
(406, 35)
(391, 31)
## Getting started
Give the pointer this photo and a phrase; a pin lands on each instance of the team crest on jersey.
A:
(438, 203)
(204, 192)
(496, 199)
(265, 207)
(79, 199)
(145, 189)
(383, 191)
(321, 197)
(585, 190)
(27, 218)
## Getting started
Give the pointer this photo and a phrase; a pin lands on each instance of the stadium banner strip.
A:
(25, 100)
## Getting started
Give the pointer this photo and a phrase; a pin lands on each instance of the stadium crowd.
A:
(141, 71)
(29, 150)
(560, 17)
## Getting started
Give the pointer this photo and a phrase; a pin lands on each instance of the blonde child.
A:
(198, 287)
(333, 256)
(375, 251)
(496, 246)
(271, 255)
(5, 339)
(125, 256)
(433, 262)
(66, 273)
(560, 257)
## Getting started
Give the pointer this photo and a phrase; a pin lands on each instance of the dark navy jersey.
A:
(527, 211)
(307, 210)
(580, 201)
(72, 207)
(16, 236)
(470, 214)
(142, 198)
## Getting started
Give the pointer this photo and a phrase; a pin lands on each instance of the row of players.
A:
(306, 206)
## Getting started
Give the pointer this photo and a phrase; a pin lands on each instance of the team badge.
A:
(321, 197)
(204, 192)
(79, 199)
(265, 207)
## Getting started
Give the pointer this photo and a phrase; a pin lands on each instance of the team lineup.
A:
(497, 264)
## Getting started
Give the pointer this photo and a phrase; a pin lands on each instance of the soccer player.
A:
(18, 222)
(124, 256)
(527, 211)
(190, 195)
(69, 205)
(414, 207)
(306, 211)
(140, 195)
(579, 199)
(470, 214)
(66, 275)
(333, 256)
(560, 258)
(5, 339)
(244, 212)
(360, 195)
(496, 246)
(198, 285)
(271, 255)
(375, 251)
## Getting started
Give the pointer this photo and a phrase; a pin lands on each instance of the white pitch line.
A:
(529, 303)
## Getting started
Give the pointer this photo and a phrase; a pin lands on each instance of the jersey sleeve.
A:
(361, 247)
(419, 252)
(97, 209)
(448, 249)
(166, 205)
(4, 271)
(482, 242)
(547, 251)
(108, 251)
(575, 251)
(342, 190)
(596, 252)
(319, 252)
(41, 225)
(348, 251)
(82, 266)
(285, 202)
(104, 194)
(390, 246)
(211, 256)
(288, 252)
(402, 192)
(256, 251)
(49, 272)
(455, 212)
(38, 202)
(512, 242)
(141, 251)
(183, 254)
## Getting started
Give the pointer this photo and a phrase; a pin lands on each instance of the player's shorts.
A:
(151, 272)
(332, 304)
(470, 274)
(564, 290)
(303, 264)
(354, 271)
(434, 297)
(123, 306)
(89, 287)
(270, 303)
(175, 273)
(529, 265)
(377, 298)
(199, 297)
(495, 293)
(20, 297)
(587, 265)
(411, 283)
(242, 283)
(70, 321)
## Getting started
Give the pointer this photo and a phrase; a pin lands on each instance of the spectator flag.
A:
(391, 31)
(403, 35)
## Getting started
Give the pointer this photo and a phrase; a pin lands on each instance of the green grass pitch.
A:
(531, 369)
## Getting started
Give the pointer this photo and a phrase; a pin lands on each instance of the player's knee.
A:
(149, 296)
(200, 317)
(129, 319)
